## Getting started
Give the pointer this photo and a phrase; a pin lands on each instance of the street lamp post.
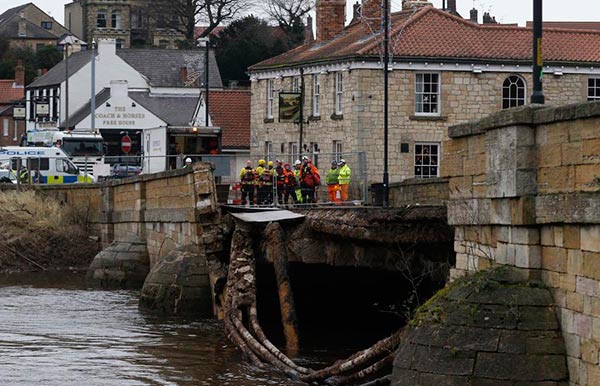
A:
(67, 85)
(93, 88)
(386, 59)
(538, 58)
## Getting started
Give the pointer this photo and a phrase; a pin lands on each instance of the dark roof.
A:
(432, 33)
(56, 75)
(9, 28)
(163, 67)
(174, 110)
(85, 110)
(12, 11)
(230, 110)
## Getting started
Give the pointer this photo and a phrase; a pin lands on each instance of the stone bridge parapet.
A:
(525, 192)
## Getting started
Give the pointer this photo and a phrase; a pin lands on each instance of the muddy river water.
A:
(55, 331)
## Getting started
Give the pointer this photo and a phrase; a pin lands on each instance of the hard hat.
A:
(188, 160)
(261, 162)
(304, 158)
(342, 161)
(297, 162)
(270, 163)
(334, 162)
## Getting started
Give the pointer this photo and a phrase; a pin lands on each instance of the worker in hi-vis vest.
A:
(344, 179)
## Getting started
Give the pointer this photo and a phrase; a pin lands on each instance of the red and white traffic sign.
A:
(126, 144)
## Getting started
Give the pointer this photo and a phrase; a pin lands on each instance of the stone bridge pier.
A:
(524, 194)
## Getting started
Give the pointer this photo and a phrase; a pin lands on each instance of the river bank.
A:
(39, 234)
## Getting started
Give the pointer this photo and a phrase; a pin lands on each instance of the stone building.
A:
(27, 26)
(444, 70)
(125, 21)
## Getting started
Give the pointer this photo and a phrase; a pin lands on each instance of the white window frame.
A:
(293, 146)
(518, 101)
(16, 131)
(268, 149)
(5, 126)
(115, 20)
(270, 98)
(428, 164)
(337, 150)
(316, 105)
(296, 84)
(593, 89)
(339, 93)
(421, 94)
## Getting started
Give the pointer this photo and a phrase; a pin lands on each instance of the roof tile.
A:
(230, 110)
(9, 93)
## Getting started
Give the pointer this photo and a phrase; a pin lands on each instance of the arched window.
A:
(513, 92)
(115, 20)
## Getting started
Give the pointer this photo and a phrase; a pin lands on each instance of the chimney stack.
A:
(20, 74)
(474, 16)
(331, 17)
(371, 15)
(488, 19)
(452, 6)
(309, 37)
(22, 25)
(412, 4)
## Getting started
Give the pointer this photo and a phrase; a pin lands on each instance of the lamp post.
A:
(67, 44)
(386, 59)
(93, 88)
(206, 42)
(538, 58)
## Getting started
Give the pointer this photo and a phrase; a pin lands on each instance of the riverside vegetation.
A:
(38, 233)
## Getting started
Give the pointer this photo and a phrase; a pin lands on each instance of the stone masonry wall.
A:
(166, 210)
(464, 96)
(525, 192)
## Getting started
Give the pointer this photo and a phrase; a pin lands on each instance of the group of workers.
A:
(298, 184)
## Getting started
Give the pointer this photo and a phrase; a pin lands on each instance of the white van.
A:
(47, 165)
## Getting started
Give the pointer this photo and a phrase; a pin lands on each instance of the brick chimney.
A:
(474, 16)
(20, 74)
(451, 6)
(331, 17)
(22, 26)
(309, 36)
(488, 19)
(412, 4)
(371, 15)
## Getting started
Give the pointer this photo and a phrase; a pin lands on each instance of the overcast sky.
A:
(505, 11)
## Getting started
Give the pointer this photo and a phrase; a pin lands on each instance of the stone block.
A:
(502, 233)
(591, 265)
(590, 238)
(528, 256)
(443, 361)
(575, 261)
(589, 351)
(587, 286)
(523, 211)
(572, 344)
(533, 368)
(596, 328)
(547, 236)
(554, 259)
(583, 325)
(568, 282)
(571, 237)
(585, 177)
(524, 235)
(575, 301)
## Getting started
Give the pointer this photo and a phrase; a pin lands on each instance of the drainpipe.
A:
(386, 59)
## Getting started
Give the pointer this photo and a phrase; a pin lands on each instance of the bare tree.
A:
(287, 13)
(183, 15)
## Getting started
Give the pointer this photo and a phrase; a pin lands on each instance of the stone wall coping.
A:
(419, 181)
(526, 116)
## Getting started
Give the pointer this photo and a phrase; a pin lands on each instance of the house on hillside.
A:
(27, 26)
(126, 21)
(11, 91)
(444, 70)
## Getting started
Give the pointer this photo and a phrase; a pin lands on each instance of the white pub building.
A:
(153, 95)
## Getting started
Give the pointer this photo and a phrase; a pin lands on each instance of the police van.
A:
(42, 165)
